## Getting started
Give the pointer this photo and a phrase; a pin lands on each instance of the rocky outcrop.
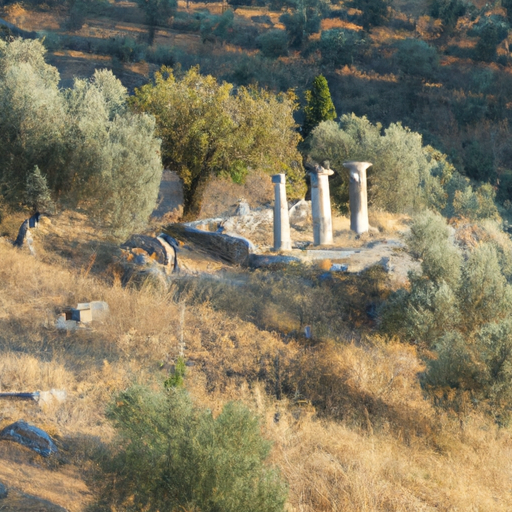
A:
(30, 436)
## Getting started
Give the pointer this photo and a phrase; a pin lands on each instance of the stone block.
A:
(82, 313)
(30, 436)
(66, 324)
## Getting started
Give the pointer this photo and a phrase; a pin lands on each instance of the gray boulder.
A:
(30, 436)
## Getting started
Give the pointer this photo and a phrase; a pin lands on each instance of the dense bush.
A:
(87, 146)
(491, 32)
(405, 174)
(374, 12)
(458, 307)
(175, 456)
(339, 46)
(416, 57)
(448, 11)
(273, 43)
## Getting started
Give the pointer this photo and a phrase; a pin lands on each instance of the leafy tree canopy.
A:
(208, 128)
(155, 11)
(79, 145)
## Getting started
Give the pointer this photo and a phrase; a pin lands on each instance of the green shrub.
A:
(319, 106)
(273, 43)
(88, 147)
(459, 308)
(175, 456)
(416, 57)
(37, 193)
(405, 174)
(491, 34)
(339, 47)
(374, 12)
(449, 11)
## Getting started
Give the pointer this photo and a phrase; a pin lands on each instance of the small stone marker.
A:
(358, 196)
(321, 205)
(30, 436)
(82, 313)
(242, 208)
(282, 239)
(3, 491)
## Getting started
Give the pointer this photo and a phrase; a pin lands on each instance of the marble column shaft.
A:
(321, 206)
(358, 196)
(282, 239)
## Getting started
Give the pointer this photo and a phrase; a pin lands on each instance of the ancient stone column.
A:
(358, 196)
(282, 239)
(321, 205)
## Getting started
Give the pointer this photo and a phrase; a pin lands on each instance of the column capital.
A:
(357, 166)
(279, 178)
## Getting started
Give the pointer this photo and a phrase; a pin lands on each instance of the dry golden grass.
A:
(330, 23)
(367, 76)
(353, 430)
(222, 194)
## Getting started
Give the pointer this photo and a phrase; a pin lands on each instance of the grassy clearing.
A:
(352, 430)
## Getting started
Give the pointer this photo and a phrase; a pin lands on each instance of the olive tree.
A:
(207, 128)
(33, 118)
(458, 307)
(405, 174)
(82, 145)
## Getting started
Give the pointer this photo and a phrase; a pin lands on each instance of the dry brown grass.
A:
(353, 430)
(222, 194)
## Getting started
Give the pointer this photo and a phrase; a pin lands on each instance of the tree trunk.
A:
(193, 196)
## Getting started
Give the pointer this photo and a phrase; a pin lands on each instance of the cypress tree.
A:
(319, 105)
(37, 193)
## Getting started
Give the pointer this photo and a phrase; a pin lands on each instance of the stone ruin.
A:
(321, 204)
(358, 196)
(144, 256)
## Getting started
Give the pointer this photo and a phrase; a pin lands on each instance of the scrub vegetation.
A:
(207, 395)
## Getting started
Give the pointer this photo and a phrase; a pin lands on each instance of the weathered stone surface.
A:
(282, 240)
(233, 249)
(358, 196)
(242, 208)
(156, 248)
(30, 436)
(326, 254)
(321, 205)
(3, 491)
(338, 267)
(82, 313)
(99, 310)
(300, 212)
(66, 325)
(260, 260)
